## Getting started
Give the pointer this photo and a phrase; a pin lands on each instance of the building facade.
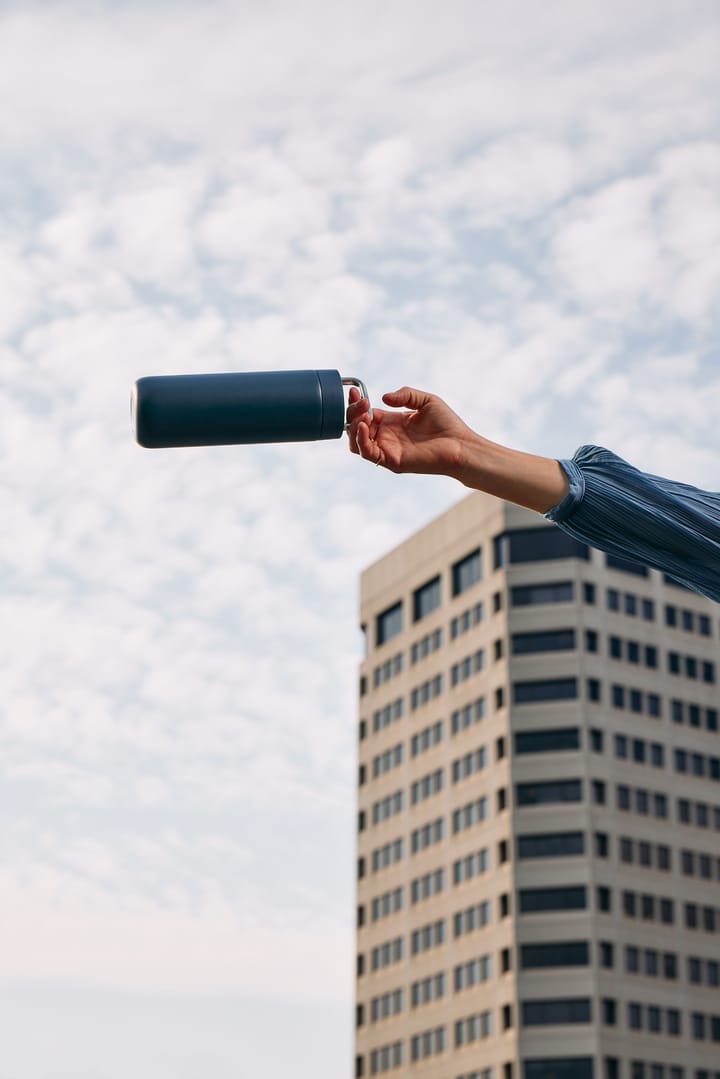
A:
(538, 870)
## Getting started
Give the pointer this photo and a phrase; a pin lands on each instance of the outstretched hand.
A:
(427, 438)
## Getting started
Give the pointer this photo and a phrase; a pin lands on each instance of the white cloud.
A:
(516, 210)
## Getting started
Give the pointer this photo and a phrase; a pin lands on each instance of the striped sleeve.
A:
(658, 522)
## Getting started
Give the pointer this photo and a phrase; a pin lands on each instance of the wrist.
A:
(469, 462)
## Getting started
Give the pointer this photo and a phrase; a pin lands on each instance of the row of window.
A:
(694, 715)
(621, 697)
(427, 936)
(427, 786)
(427, 886)
(700, 765)
(426, 645)
(470, 866)
(387, 855)
(383, 809)
(553, 955)
(470, 618)
(648, 962)
(535, 845)
(478, 1026)
(427, 738)
(654, 1019)
(427, 835)
(467, 667)
(639, 750)
(427, 1044)
(641, 1069)
(427, 691)
(382, 906)
(427, 598)
(649, 855)
(529, 545)
(383, 717)
(386, 761)
(386, 671)
(636, 799)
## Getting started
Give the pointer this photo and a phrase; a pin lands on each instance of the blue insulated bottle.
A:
(242, 408)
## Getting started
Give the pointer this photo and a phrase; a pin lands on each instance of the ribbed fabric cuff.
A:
(575, 495)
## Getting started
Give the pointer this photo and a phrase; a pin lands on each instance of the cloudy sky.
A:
(512, 204)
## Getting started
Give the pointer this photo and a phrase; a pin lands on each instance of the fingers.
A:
(358, 406)
(407, 397)
(367, 447)
(356, 409)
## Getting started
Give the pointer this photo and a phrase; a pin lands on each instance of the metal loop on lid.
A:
(359, 385)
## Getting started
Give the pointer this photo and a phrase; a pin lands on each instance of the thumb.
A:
(407, 397)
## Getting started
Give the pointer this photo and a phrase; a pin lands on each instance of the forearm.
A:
(539, 483)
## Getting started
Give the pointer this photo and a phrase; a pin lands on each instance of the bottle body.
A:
(240, 408)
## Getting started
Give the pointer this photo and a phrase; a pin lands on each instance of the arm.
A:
(432, 439)
(597, 497)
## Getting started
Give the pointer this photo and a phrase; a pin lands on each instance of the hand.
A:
(429, 438)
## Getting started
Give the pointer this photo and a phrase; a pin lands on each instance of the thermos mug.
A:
(240, 408)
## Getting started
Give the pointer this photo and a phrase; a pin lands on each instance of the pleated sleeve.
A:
(658, 522)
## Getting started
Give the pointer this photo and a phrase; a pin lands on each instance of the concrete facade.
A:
(538, 811)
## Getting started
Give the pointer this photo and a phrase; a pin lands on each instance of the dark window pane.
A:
(549, 792)
(550, 740)
(536, 545)
(550, 689)
(559, 1068)
(528, 595)
(562, 953)
(613, 561)
(544, 899)
(466, 572)
(389, 623)
(548, 1011)
(426, 599)
(551, 640)
(551, 845)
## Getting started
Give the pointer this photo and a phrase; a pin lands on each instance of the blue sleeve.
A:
(658, 522)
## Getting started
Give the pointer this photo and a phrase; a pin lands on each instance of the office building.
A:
(538, 871)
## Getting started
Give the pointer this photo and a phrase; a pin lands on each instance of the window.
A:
(549, 689)
(551, 640)
(550, 740)
(551, 1012)
(389, 624)
(604, 899)
(472, 1028)
(549, 793)
(466, 572)
(602, 848)
(564, 953)
(625, 565)
(551, 845)
(559, 1068)
(426, 599)
(607, 955)
(536, 545)
(530, 595)
(571, 897)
